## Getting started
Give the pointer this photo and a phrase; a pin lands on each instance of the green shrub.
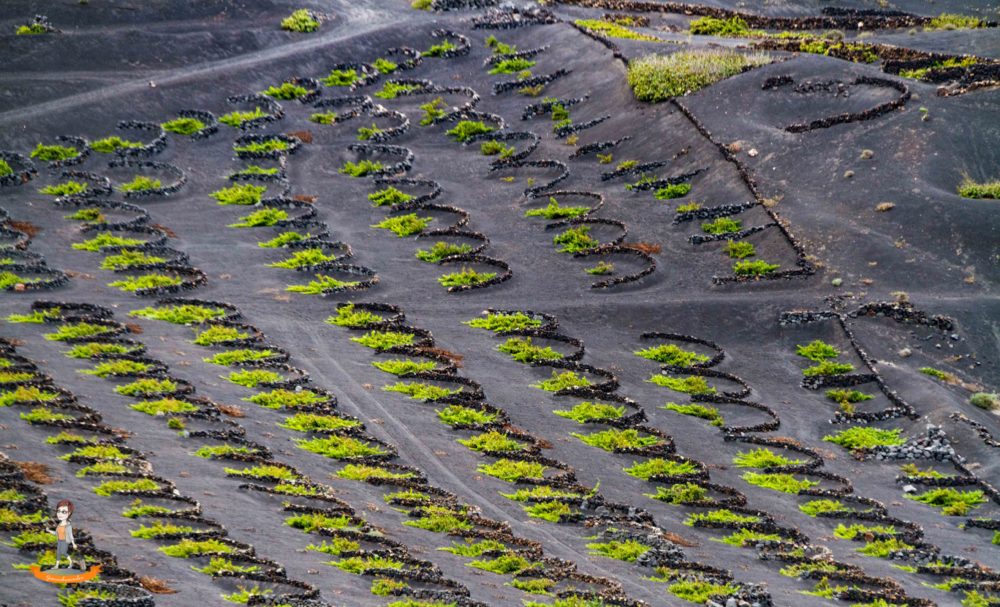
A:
(385, 340)
(817, 507)
(188, 548)
(365, 133)
(863, 437)
(183, 314)
(99, 452)
(817, 351)
(160, 529)
(467, 277)
(391, 90)
(313, 422)
(74, 331)
(763, 457)
(222, 451)
(336, 546)
(54, 153)
(512, 66)
(244, 594)
(575, 239)
(66, 188)
(284, 239)
(523, 350)
(26, 394)
(548, 511)
(615, 439)
(499, 48)
(110, 145)
(613, 30)
(671, 191)
(404, 225)
(264, 472)
(555, 211)
(503, 323)
(754, 268)
(455, 415)
(108, 488)
(505, 564)
(253, 169)
(404, 367)
(361, 168)
(512, 470)
(742, 537)
(105, 240)
(146, 281)
(849, 533)
(438, 50)
(492, 441)
(827, 368)
(740, 249)
(359, 564)
(164, 406)
(321, 285)
(232, 357)
(433, 110)
(245, 194)
(95, 348)
(313, 521)
(261, 218)
(117, 367)
(262, 147)
(670, 354)
(467, 129)
(722, 225)
(384, 66)
(882, 548)
(286, 399)
(301, 21)
(8, 517)
(541, 492)
(287, 91)
(689, 207)
(698, 591)
(147, 387)
(216, 334)
(340, 447)
(421, 391)
(128, 258)
(734, 27)
(359, 472)
(700, 411)
(847, 397)
(951, 501)
(723, 516)
(345, 77)
(589, 411)
(440, 250)
(439, 520)
(681, 493)
(183, 126)
(692, 384)
(43, 415)
(302, 258)
(660, 467)
(220, 564)
(388, 196)
(985, 400)
(656, 78)
(236, 118)
(347, 316)
(971, 189)
(140, 183)
(786, 483)
(561, 381)
(496, 148)
(953, 21)
(602, 268)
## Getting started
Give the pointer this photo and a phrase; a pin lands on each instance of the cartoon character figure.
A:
(64, 533)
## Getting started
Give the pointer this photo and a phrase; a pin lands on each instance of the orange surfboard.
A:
(53, 577)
